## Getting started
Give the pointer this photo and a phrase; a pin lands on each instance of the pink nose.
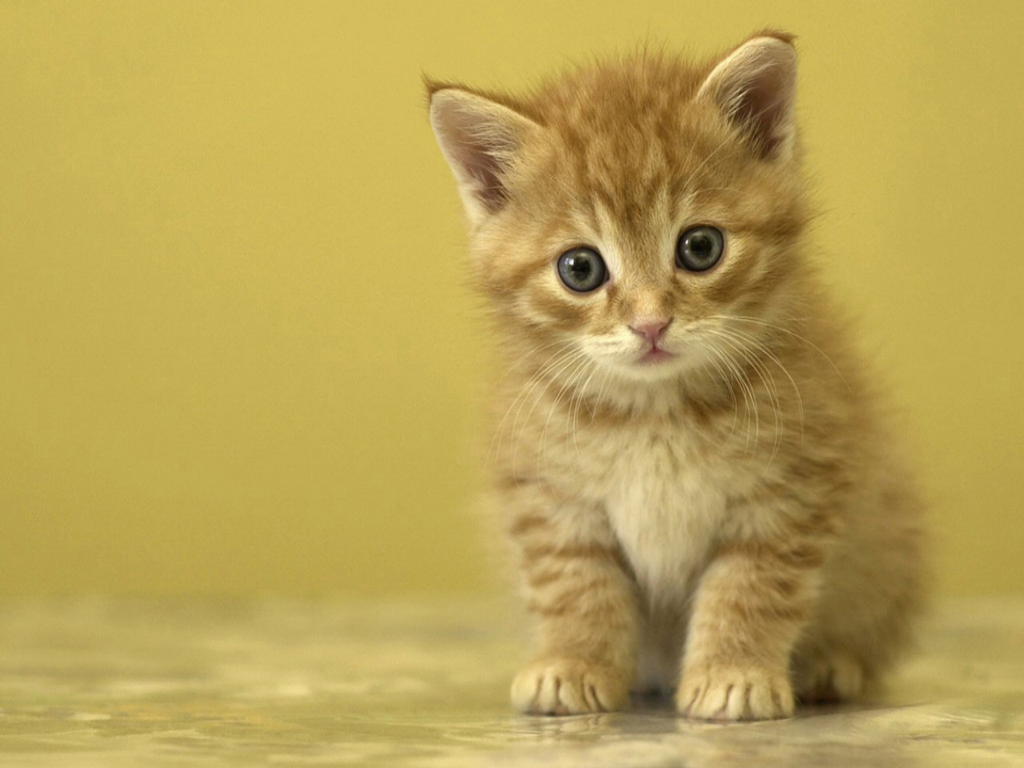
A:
(652, 330)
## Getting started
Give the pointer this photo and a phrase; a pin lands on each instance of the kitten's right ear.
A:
(755, 86)
(481, 140)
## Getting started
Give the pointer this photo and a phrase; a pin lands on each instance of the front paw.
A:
(718, 692)
(828, 678)
(567, 686)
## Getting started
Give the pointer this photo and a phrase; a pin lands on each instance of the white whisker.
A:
(765, 376)
(578, 366)
(525, 391)
(766, 351)
(797, 336)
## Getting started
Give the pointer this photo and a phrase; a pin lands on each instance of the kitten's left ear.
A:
(482, 140)
(755, 86)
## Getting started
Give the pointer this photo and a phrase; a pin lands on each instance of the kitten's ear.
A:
(755, 86)
(481, 140)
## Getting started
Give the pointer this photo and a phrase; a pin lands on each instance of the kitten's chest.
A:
(666, 497)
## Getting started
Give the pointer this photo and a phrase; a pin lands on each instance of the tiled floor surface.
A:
(111, 684)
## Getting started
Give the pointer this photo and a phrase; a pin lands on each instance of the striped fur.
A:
(733, 523)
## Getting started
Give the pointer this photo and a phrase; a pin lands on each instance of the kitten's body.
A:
(733, 515)
(662, 476)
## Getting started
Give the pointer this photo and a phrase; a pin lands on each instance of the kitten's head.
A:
(629, 210)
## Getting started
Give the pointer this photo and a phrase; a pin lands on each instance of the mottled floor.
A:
(112, 684)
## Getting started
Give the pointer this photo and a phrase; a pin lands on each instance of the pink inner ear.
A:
(480, 140)
(763, 107)
(755, 87)
(478, 157)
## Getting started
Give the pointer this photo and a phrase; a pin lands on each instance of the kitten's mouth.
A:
(655, 355)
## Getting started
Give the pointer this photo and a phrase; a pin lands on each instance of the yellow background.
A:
(235, 351)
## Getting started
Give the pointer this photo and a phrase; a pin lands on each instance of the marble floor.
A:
(111, 684)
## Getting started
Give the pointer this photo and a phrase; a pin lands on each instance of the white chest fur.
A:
(666, 500)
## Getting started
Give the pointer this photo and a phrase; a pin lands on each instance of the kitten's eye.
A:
(582, 269)
(700, 248)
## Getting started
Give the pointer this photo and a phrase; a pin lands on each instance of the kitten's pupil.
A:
(700, 245)
(580, 269)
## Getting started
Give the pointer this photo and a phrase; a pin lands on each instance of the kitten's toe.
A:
(565, 686)
(735, 693)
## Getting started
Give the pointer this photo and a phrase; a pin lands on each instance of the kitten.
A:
(691, 464)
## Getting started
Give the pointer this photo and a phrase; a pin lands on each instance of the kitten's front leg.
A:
(585, 601)
(751, 604)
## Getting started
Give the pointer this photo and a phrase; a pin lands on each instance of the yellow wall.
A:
(234, 350)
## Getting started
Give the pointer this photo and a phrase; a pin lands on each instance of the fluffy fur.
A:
(731, 522)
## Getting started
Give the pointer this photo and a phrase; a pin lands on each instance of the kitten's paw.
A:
(831, 678)
(735, 693)
(565, 686)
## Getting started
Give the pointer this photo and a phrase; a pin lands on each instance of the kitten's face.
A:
(634, 216)
(636, 267)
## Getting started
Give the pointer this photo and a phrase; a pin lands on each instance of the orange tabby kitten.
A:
(691, 465)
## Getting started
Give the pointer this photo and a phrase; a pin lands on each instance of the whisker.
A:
(765, 375)
(750, 410)
(525, 391)
(568, 365)
(596, 399)
(723, 374)
(767, 352)
(797, 336)
(578, 396)
(578, 366)
(753, 397)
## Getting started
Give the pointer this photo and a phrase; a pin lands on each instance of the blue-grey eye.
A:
(700, 248)
(582, 269)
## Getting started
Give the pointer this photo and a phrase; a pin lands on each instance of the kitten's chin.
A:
(652, 367)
